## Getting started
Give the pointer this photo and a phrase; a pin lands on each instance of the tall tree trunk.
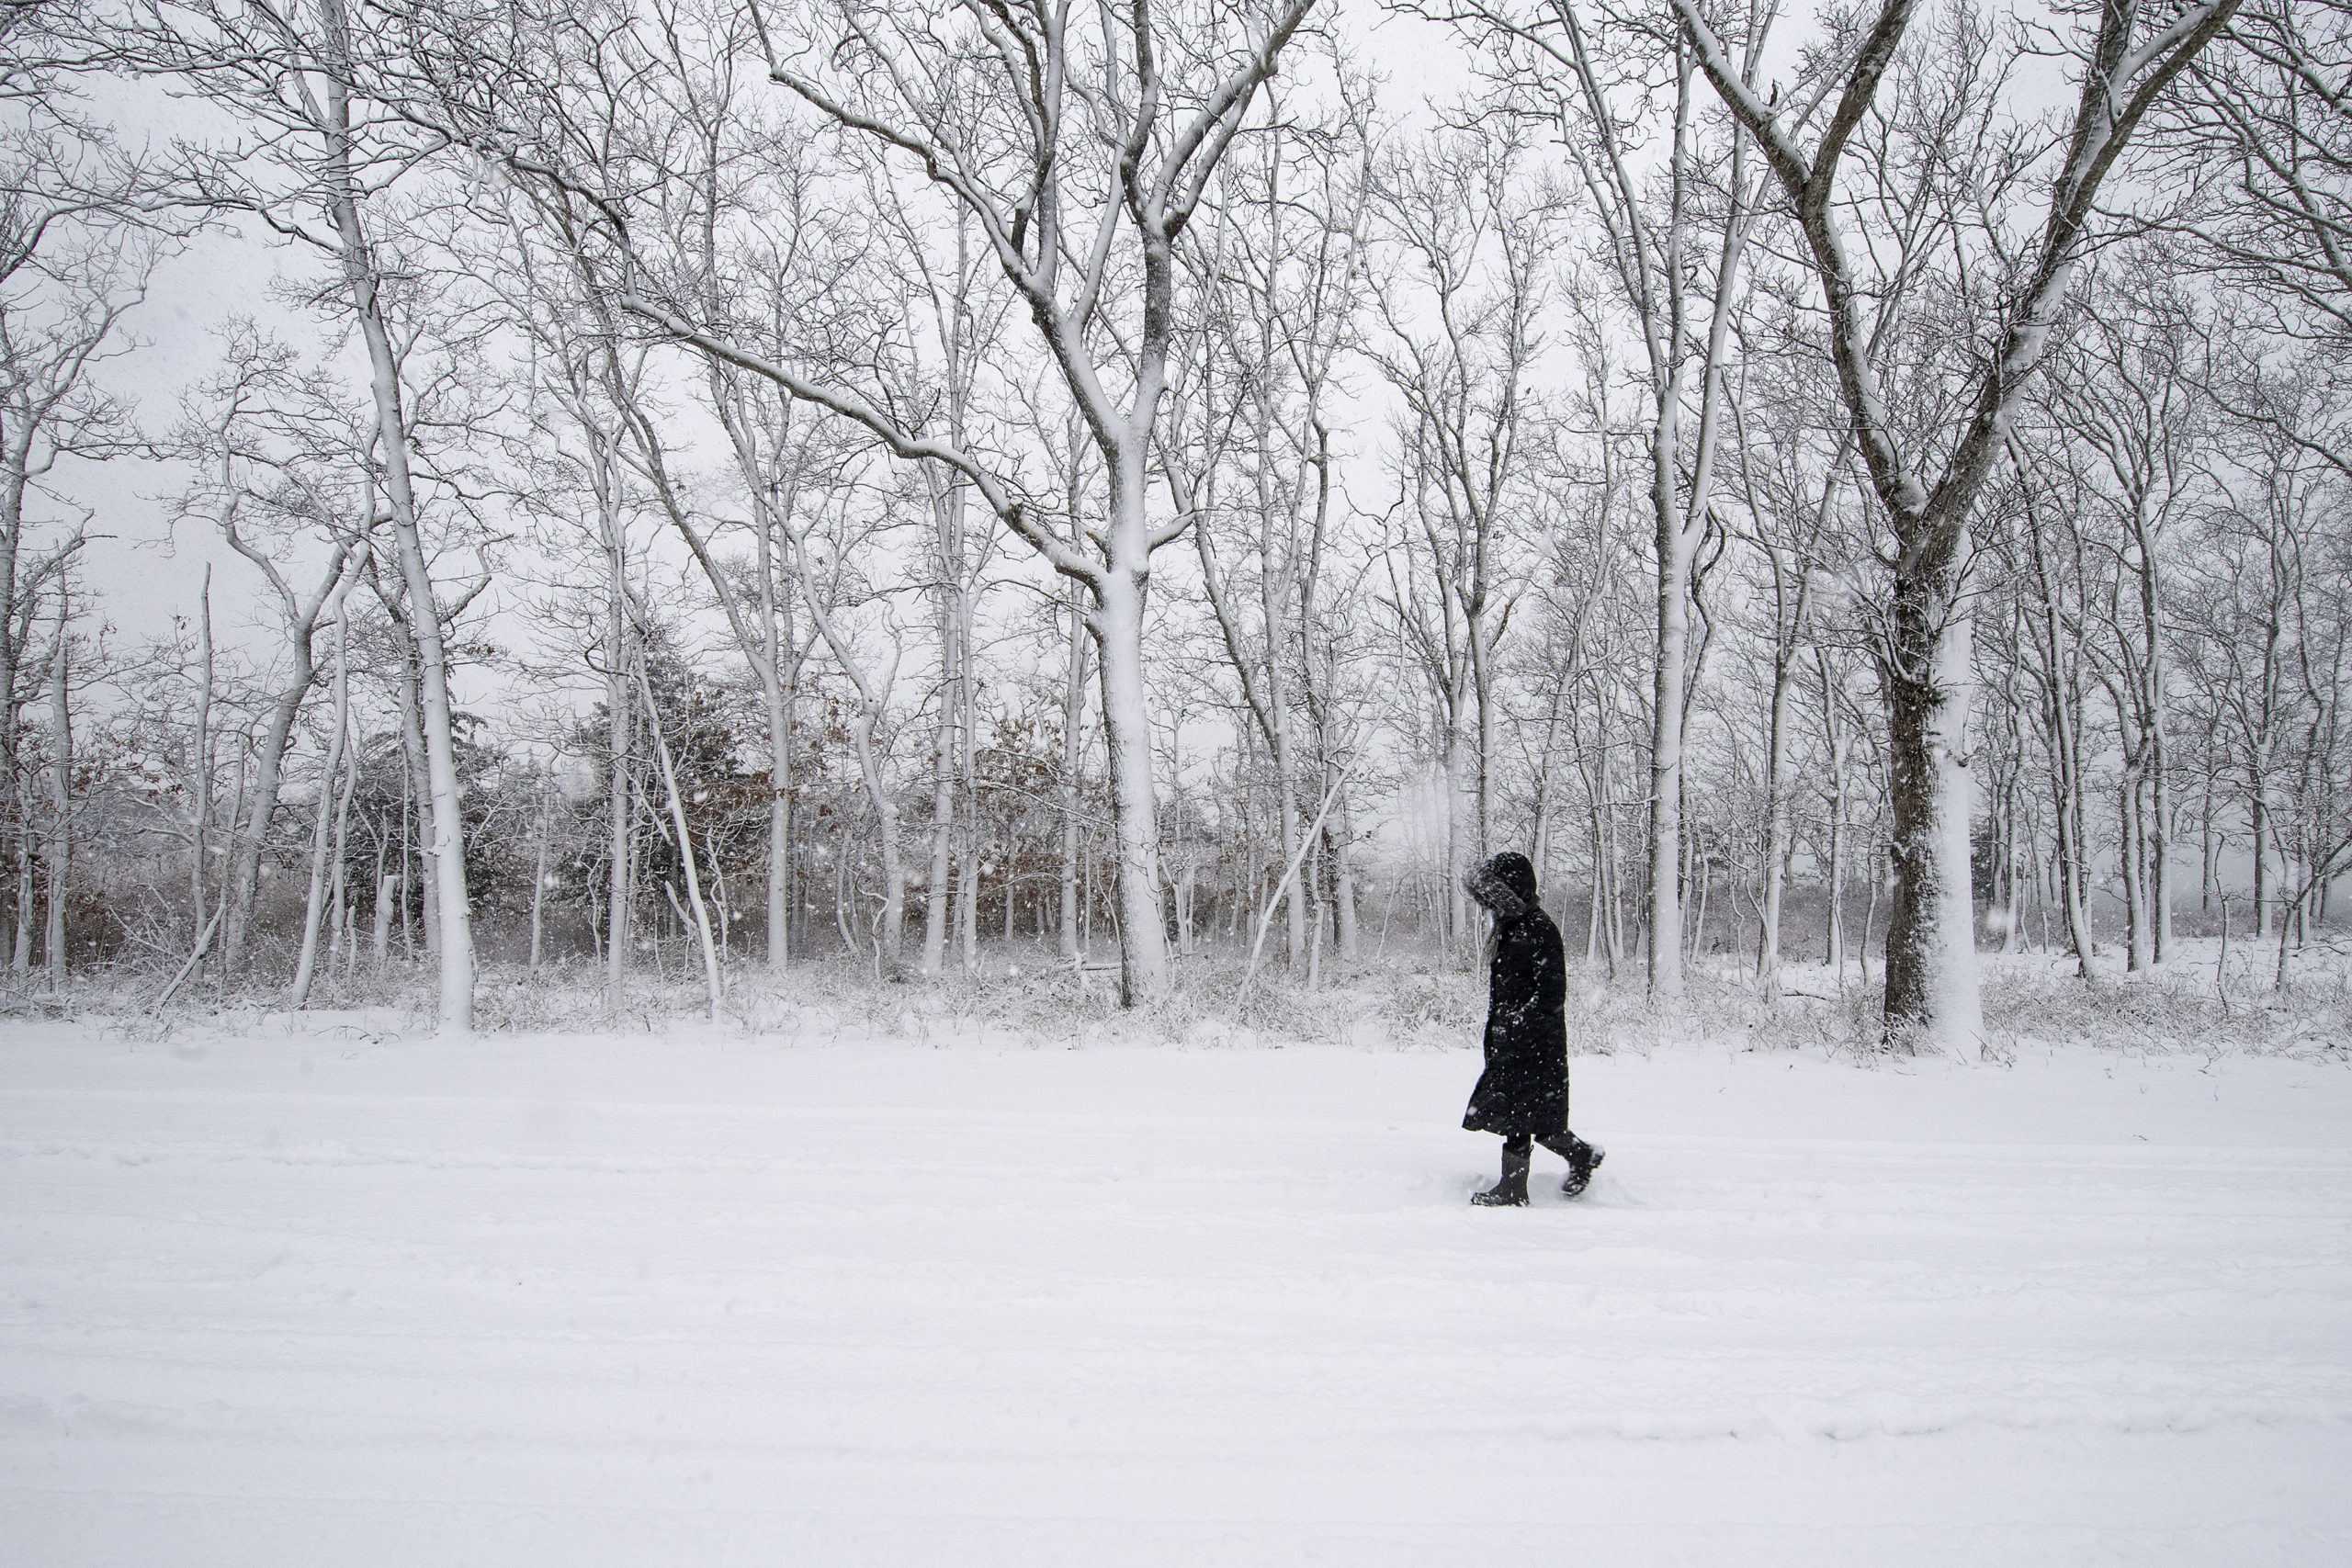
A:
(2061, 717)
(1126, 729)
(871, 699)
(199, 765)
(419, 796)
(2130, 854)
(619, 798)
(15, 465)
(1343, 879)
(364, 280)
(1776, 798)
(886, 828)
(2155, 722)
(344, 946)
(937, 893)
(1446, 901)
(1931, 995)
(1286, 782)
(1073, 711)
(386, 889)
(297, 996)
(22, 961)
(1666, 845)
(539, 876)
(1482, 685)
(711, 976)
(774, 617)
(2266, 898)
(967, 873)
(58, 850)
(1834, 938)
(278, 730)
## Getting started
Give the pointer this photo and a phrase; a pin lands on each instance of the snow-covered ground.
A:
(835, 1300)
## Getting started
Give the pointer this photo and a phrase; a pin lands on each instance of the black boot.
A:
(1583, 1160)
(1510, 1193)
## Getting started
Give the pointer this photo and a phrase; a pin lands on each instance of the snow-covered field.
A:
(833, 1300)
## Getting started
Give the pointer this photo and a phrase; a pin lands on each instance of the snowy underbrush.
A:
(2200, 1003)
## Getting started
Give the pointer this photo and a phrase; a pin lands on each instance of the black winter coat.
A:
(1525, 1087)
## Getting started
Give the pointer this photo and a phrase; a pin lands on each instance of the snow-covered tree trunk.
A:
(711, 975)
(1834, 787)
(2132, 857)
(1775, 823)
(1461, 823)
(937, 893)
(1073, 714)
(200, 765)
(1286, 785)
(15, 462)
(619, 791)
(364, 283)
(298, 994)
(968, 872)
(2058, 671)
(1668, 688)
(1931, 996)
(763, 629)
(872, 689)
(16, 805)
(2160, 823)
(948, 745)
(777, 710)
(276, 732)
(1344, 920)
(539, 876)
(2154, 723)
(1116, 621)
(886, 832)
(416, 795)
(56, 846)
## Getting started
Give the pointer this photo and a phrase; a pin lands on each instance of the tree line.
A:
(730, 479)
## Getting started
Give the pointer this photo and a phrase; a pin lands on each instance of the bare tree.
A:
(2053, 585)
(1082, 145)
(2262, 131)
(329, 812)
(2130, 403)
(1582, 82)
(69, 275)
(1789, 480)
(284, 477)
(1460, 343)
(2133, 53)
(1286, 252)
(2262, 633)
(297, 74)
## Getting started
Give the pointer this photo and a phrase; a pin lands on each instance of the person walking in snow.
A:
(1523, 1093)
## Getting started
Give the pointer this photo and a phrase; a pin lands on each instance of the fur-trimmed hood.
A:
(1505, 884)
